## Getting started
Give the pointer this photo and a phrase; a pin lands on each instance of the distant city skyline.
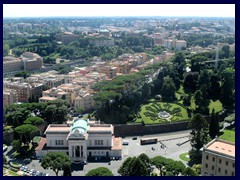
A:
(174, 10)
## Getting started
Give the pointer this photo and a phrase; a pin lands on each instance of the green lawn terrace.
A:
(228, 135)
(149, 113)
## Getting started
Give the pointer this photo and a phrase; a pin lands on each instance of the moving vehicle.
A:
(152, 140)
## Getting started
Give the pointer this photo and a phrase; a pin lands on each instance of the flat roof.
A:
(223, 148)
(57, 129)
(101, 129)
(117, 143)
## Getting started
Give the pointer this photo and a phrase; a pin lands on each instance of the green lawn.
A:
(217, 105)
(228, 135)
(184, 157)
(182, 115)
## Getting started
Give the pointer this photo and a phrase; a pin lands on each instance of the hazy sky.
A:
(45, 10)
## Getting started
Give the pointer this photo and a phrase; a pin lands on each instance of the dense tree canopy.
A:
(101, 171)
(55, 161)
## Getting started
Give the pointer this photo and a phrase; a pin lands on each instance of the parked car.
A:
(153, 148)
(125, 143)
(134, 138)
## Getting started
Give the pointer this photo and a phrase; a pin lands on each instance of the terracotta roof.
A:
(222, 147)
(41, 144)
(117, 143)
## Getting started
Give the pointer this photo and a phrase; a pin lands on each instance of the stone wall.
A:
(139, 129)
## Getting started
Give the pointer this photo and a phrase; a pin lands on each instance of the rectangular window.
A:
(233, 174)
(213, 159)
(220, 161)
(56, 142)
(226, 163)
(206, 165)
(233, 165)
(90, 142)
(219, 169)
(226, 171)
(206, 156)
(95, 142)
(101, 142)
(212, 167)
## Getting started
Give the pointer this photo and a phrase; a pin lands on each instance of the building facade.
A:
(218, 158)
(81, 139)
(12, 65)
(31, 61)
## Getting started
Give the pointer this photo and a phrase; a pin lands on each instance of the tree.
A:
(67, 170)
(213, 125)
(133, 166)
(124, 168)
(146, 90)
(190, 82)
(199, 133)
(145, 159)
(25, 130)
(176, 167)
(228, 87)
(189, 172)
(226, 51)
(56, 161)
(34, 121)
(101, 171)
(159, 162)
(16, 144)
(168, 89)
(198, 98)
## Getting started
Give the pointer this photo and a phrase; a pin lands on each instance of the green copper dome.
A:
(81, 125)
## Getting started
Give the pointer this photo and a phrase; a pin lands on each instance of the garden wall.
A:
(139, 129)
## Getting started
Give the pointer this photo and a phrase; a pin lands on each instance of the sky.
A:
(49, 10)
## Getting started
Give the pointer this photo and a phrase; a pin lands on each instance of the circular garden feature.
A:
(161, 112)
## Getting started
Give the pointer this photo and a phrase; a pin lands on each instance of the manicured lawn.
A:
(228, 135)
(161, 106)
(184, 156)
(217, 105)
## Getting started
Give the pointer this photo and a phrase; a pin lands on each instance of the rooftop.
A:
(55, 128)
(117, 143)
(221, 146)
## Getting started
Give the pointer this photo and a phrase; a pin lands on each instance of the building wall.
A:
(51, 140)
(215, 164)
(106, 139)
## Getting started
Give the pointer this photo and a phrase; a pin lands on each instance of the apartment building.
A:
(218, 158)
(12, 65)
(84, 102)
(23, 90)
(9, 97)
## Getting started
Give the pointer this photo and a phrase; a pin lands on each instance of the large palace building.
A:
(81, 139)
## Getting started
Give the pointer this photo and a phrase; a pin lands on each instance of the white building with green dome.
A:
(81, 139)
